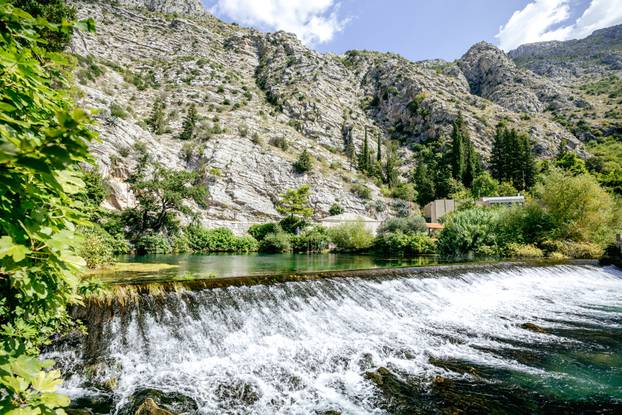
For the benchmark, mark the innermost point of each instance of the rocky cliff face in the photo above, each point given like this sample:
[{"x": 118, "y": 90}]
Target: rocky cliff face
[{"x": 262, "y": 98}]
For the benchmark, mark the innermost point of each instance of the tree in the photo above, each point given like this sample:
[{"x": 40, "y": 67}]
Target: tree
[
  {"x": 156, "y": 118},
  {"x": 424, "y": 184},
  {"x": 43, "y": 138},
  {"x": 458, "y": 149},
  {"x": 160, "y": 192},
  {"x": 391, "y": 165},
  {"x": 484, "y": 185},
  {"x": 580, "y": 209},
  {"x": 364, "y": 161},
  {"x": 512, "y": 158},
  {"x": 571, "y": 163},
  {"x": 295, "y": 202},
  {"x": 348, "y": 141},
  {"x": 304, "y": 162},
  {"x": 56, "y": 12},
  {"x": 187, "y": 128}
]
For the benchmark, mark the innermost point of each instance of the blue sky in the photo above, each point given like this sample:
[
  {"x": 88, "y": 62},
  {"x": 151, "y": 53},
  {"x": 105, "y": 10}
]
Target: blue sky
[{"x": 421, "y": 29}]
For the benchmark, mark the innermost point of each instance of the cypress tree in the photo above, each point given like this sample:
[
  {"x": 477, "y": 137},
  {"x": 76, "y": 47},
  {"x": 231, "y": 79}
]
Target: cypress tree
[
  {"x": 391, "y": 165},
  {"x": 457, "y": 150},
  {"x": 423, "y": 184},
  {"x": 156, "y": 118},
  {"x": 497, "y": 157},
  {"x": 189, "y": 123},
  {"x": 379, "y": 151},
  {"x": 363, "y": 161}
]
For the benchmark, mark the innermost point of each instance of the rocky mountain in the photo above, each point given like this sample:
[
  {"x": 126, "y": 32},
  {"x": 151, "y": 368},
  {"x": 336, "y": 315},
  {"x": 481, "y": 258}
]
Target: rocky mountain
[
  {"x": 599, "y": 54},
  {"x": 262, "y": 98}
]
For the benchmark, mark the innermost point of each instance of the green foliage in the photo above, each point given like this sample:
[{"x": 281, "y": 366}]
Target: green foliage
[
  {"x": 56, "y": 12},
  {"x": 218, "y": 240},
  {"x": 606, "y": 165},
  {"x": 580, "y": 210},
  {"x": 96, "y": 246},
  {"x": 408, "y": 225},
  {"x": 304, "y": 162},
  {"x": 156, "y": 120},
  {"x": 259, "y": 231},
  {"x": 469, "y": 232},
  {"x": 312, "y": 239},
  {"x": 295, "y": 202},
  {"x": 189, "y": 123},
  {"x": 160, "y": 193},
  {"x": 43, "y": 138},
  {"x": 361, "y": 191},
  {"x": 404, "y": 191},
  {"x": 351, "y": 236},
  {"x": 484, "y": 185},
  {"x": 29, "y": 387},
  {"x": 580, "y": 250},
  {"x": 391, "y": 165},
  {"x": 117, "y": 111},
  {"x": 512, "y": 158},
  {"x": 335, "y": 209},
  {"x": 276, "y": 243},
  {"x": 279, "y": 142},
  {"x": 571, "y": 163},
  {"x": 293, "y": 224},
  {"x": 399, "y": 243},
  {"x": 152, "y": 243},
  {"x": 464, "y": 158},
  {"x": 523, "y": 251}
]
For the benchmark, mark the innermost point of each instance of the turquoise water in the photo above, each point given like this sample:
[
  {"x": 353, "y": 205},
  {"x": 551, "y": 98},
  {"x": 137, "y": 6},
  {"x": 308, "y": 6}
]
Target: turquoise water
[{"x": 227, "y": 265}]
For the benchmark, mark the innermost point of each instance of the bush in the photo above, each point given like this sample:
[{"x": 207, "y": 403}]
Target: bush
[
  {"x": 580, "y": 250},
  {"x": 304, "y": 162},
  {"x": 335, "y": 209},
  {"x": 117, "y": 111},
  {"x": 523, "y": 251},
  {"x": 468, "y": 232},
  {"x": 315, "y": 239},
  {"x": 259, "y": 231},
  {"x": 96, "y": 246},
  {"x": 399, "y": 243},
  {"x": 293, "y": 224},
  {"x": 152, "y": 243},
  {"x": 361, "y": 191},
  {"x": 279, "y": 142},
  {"x": 351, "y": 236},
  {"x": 404, "y": 191},
  {"x": 218, "y": 240},
  {"x": 276, "y": 243},
  {"x": 407, "y": 225}
]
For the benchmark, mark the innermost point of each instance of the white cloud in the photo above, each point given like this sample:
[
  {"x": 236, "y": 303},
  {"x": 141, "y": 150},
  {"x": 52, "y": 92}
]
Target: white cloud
[
  {"x": 313, "y": 21},
  {"x": 543, "y": 20}
]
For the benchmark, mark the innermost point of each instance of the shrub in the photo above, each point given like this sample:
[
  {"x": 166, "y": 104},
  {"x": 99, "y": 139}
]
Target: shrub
[
  {"x": 314, "y": 239},
  {"x": 523, "y": 251},
  {"x": 180, "y": 244},
  {"x": 218, "y": 240},
  {"x": 404, "y": 191},
  {"x": 470, "y": 231},
  {"x": 280, "y": 142},
  {"x": 152, "y": 243},
  {"x": 580, "y": 250},
  {"x": 351, "y": 236},
  {"x": 361, "y": 191},
  {"x": 399, "y": 243},
  {"x": 259, "y": 231},
  {"x": 407, "y": 225},
  {"x": 304, "y": 162},
  {"x": 117, "y": 111},
  {"x": 335, "y": 209},
  {"x": 276, "y": 243},
  {"x": 293, "y": 224},
  {"x": 95, "y": 246}
]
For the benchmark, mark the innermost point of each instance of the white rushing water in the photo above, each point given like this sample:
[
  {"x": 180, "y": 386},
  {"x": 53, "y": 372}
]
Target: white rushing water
[{"x": 304, "y": 347}]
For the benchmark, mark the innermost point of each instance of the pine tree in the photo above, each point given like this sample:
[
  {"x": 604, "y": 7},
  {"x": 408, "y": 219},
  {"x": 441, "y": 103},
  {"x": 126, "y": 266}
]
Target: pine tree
[
  {"x": 471, "y": 163},
  {"x": 424, "y": 184},
  {"x": 189, "y": 123},
  {"x": 498, "y": 155},
  {"x": 304, "y": 162},
  {"x": 348, "y": 142},
  {"x": 379, "y": 151}
]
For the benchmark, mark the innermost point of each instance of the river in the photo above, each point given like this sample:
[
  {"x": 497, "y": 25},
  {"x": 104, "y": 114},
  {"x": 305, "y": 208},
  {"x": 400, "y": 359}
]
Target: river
[{"x": 512, "y": 339}]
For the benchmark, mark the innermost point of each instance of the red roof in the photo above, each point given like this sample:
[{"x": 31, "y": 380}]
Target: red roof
[{"x": 434, "y": 226}]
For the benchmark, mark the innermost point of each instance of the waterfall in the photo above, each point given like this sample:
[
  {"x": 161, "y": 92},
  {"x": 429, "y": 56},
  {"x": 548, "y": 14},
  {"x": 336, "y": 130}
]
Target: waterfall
[{"x": 308, "y": 347}]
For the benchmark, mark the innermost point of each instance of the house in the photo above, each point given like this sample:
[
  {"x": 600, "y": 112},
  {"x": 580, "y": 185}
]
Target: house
[
  {"x": 434, "y": 228},
  {"x": 370, "y": 223},
  {"x": 501, "y": 201},
  {"x": 435, "y": 210}
]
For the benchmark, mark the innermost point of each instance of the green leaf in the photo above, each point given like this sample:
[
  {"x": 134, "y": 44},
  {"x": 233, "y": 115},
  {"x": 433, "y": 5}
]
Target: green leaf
[
  {"x": 9, "y": 248},
  {"x": 86, "y": 25},
  {"x": 47, "y": 381},
  {"x": 55, "y": 400}
]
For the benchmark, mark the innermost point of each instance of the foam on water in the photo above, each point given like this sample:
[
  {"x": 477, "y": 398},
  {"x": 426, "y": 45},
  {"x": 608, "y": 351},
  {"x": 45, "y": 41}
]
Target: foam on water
[{"x": 304, "y": 347}]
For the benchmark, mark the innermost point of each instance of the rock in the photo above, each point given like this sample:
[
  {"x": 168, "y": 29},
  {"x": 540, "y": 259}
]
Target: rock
[
  {"x": 100, "y": 403},
  {"x": 533, "y": 327},
  {"x": 155, "y": 402},
  {"x": 149, "y": 407}
]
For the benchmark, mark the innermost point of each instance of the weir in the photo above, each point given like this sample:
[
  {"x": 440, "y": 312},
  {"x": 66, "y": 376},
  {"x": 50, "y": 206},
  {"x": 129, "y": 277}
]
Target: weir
[{"x": 547, "y": 338}]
